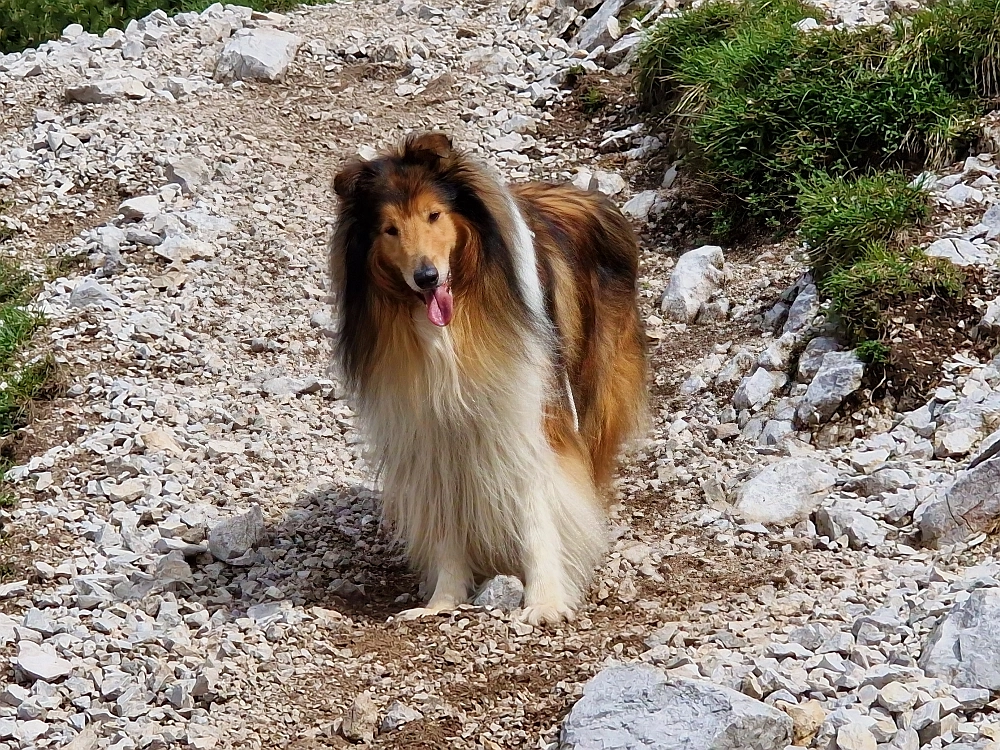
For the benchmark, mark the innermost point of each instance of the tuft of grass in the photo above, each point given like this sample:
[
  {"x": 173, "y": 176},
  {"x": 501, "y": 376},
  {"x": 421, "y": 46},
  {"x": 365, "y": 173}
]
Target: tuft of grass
[
  {"x": 593, "y": 100},
  {"x": 872, "y": 352},
  {"x": 6, "y": 233},
  {"x": 861, "y": 292},
  {"x": 816, "y": 130},
  {"x": 22, "y": 383},
  {"x": 841, "y": 218},
  {"x": 958, "y": 40},
  {"x": 64, "y": 265},
  {"x": 36, "y": 381}
]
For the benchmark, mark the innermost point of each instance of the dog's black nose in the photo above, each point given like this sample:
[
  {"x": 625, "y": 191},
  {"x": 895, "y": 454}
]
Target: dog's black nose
[{"x": 426, "y": 277}]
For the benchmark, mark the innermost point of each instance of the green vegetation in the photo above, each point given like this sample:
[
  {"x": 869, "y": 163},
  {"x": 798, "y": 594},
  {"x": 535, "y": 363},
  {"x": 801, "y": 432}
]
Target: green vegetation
[
  {"x": 816, "y": 129},
  {"x": 28, "y": 23},
  {"x": 21, "y": 382},
  {"x": 873, "y": 352},
  {"x": 593, "y": 100},
  {"x": 840, "y": 218}
]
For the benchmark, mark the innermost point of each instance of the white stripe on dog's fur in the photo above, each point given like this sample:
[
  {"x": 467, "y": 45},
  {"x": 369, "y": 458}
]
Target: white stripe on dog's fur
[
  {"x": 572, "y": 401},
  {"x": 525, "y": 262}
]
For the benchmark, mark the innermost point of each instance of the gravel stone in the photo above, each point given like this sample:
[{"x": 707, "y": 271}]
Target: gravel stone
[
  {"x": 964, "y": 648},
  {"x": 40, "y": 664},
  {"x": 502, "y": 592},
  {"x": 236, "y": 536}
]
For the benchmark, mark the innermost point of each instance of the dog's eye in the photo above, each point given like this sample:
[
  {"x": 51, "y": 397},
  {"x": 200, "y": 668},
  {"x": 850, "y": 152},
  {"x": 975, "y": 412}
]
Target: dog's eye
[
  {"x": 434, "y": 216},
  {"x": 392, "y": 231}
]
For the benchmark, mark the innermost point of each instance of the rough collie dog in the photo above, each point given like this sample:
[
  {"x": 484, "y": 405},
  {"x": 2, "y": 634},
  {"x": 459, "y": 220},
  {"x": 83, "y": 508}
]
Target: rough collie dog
[{"x": 491, "y": 341}]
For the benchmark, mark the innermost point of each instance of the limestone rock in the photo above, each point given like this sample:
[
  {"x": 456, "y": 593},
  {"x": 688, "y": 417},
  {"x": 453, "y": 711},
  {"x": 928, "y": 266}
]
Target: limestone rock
[
  {"x": 757, "y": 389},
  {"x": 262, "y": 54},
  {"x": 960, "y": 252},
  {"x": 962, "y": 424},
  {"x": 140, "y": 207},
  {"x": 602, "y": 28},
  {"x": 41, "y": 664},
  {"x": 189, "y": 172},
  {"x": 964, "y": 648},
  {"x": 107, "y": 90},
  {"x": 639, "y": 205},
  {"x": 803, "y": 309},
  {"x": 361, "y": 720},
  {"x": 812, "y": 356},
  {"x": 397, "y": 715},
  {"x": 839, "y": 375},
  {"x": 236, "y": 536},
  {"x": 695, "y": 278},
  {"x": 786, "y": 492},
  {"x": 89, "y": 292},
  {"x": 638, "y": 706},
  {"x": 969, "y": 506},
  {"x": 502, "y": 592}
]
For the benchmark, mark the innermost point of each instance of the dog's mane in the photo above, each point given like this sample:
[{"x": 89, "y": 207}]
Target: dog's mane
[{"x": 490, "y": 253}]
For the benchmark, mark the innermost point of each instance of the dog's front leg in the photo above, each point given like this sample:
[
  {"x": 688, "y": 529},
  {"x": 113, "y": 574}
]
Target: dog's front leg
[
  {"x": 451, "y": 577},
  {"x": 545, "y": 596}
]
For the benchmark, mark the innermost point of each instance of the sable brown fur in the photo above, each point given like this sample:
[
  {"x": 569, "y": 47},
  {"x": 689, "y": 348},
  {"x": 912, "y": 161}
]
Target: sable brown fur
[{"x": 489, "y": 464}]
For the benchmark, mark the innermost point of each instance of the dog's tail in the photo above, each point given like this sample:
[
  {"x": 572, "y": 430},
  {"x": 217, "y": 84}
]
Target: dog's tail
[
  {"x": 618, "y": 410},
  {"x": 616, "y": 362}
]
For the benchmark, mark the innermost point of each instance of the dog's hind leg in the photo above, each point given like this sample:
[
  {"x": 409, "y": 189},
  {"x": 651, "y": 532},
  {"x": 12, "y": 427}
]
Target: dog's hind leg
[{"x": 450, "y": 576}]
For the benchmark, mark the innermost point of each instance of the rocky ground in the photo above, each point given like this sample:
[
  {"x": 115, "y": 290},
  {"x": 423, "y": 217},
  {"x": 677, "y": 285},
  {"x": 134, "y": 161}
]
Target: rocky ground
[{"x": 196, "y": 559}]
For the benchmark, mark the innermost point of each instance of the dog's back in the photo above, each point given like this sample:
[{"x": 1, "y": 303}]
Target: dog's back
[{"x": 588, "y": 260}]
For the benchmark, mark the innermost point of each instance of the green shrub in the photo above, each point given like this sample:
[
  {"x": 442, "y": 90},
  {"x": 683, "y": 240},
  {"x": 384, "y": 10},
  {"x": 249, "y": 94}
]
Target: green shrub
[
  {"x": 840, "y": 218},
  {"x": 959, "y": 40},
  {"x": 20, "y": 383},
  {"x": 881, "y": 277},
  {"x": 28, "y": 23},
  {"x": 815, "y": 130},
  {"x": 764, "y": 105}
]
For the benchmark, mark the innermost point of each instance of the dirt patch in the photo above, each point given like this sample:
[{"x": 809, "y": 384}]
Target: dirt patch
[{"x": 924, "y": 333}]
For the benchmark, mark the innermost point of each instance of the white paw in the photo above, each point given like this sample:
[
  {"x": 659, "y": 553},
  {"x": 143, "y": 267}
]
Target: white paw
[
  {"x": 547, "y": 614},
  {"x": 417, "y": 613}
]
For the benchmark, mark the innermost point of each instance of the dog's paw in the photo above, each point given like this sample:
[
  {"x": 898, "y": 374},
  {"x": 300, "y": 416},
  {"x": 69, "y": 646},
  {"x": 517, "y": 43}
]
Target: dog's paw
[
  {"x": 547, "y": 614},
  {"x": 417, "y": 613}
]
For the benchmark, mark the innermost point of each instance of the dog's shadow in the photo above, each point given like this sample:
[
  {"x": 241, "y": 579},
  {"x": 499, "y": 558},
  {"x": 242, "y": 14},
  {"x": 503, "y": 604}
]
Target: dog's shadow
[{"x": 329, "y": 550}]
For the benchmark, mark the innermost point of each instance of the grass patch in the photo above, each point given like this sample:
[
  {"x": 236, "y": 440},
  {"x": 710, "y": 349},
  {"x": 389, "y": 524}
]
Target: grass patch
[
  {"x": 841, "y": 219},
  {"x": 872, "y": 352},
  {"x": 64, "y": 265},
  {"x": 593, "y": 100},
  {"x": 764, "y": 105},
  {"x": 634, "y": 12},
  {"x": 28, "y": 23},
  {"x": 22, "y": 383},
  {"x": 882, "y": 276},
  {"x": 815, "y": 130}
]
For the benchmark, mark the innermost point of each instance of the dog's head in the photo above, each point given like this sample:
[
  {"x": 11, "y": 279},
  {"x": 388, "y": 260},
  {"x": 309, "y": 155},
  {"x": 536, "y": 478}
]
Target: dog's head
[{"x": 404, "y": 226}]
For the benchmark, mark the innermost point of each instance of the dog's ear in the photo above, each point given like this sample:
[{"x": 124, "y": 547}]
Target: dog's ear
[
  {"x": 345, "y": 184},
  {"x": 433, "y": 145}
]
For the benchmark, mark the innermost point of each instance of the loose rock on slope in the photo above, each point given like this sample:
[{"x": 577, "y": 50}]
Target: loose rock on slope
[{"x": 638, "y": 706}]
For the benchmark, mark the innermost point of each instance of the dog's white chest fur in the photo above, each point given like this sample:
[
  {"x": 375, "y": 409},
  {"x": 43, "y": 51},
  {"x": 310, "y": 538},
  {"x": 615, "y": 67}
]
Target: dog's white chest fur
[{"x": 466, "y": 466}]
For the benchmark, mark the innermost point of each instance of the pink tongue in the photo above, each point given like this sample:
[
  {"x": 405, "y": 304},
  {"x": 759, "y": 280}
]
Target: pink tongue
[{"x": 439, "y": 306}]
